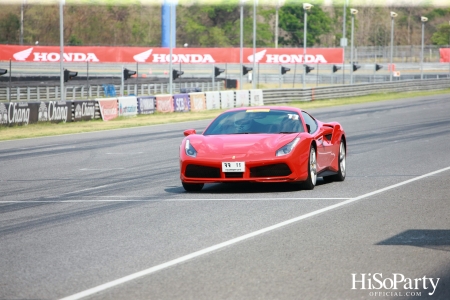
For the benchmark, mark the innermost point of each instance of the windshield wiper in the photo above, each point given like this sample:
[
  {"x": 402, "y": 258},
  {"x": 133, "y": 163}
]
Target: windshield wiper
[{"x": 287, "y": 132}]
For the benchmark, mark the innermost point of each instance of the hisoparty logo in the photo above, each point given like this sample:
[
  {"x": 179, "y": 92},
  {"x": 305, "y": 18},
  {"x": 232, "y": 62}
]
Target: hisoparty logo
[{"x": 396, "y": 281}]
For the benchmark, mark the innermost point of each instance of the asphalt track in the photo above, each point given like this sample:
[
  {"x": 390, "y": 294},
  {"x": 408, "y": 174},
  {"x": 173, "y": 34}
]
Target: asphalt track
[{"x": 103, "y": 216}]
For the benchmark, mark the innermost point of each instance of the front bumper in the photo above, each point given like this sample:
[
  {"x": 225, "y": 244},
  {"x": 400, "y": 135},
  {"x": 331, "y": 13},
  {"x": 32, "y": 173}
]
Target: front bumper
[{"x": 278, "y": 169}]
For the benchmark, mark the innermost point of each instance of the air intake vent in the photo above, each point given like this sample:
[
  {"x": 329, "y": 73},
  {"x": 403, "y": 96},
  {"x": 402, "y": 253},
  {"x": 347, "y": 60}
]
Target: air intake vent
[
  {"x": 234, "y": 174},
  {"x": 196, "y": 171},
  {"x": 270, "y": 171}
]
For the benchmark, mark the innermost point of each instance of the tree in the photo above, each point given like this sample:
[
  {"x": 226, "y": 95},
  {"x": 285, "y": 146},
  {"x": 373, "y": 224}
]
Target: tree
[
  {"x": 219, "y": 25},
  {"x": 292, "y": 22},
  {"x": 442, "y": 36},
  {"x": 9, "y": 28}
]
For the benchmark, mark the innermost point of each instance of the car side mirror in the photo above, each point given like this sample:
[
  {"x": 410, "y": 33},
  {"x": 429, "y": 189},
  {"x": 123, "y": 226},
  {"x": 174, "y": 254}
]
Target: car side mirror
[
  {"x": 308, "y": 128},
  {"x": 189, "y": 132}
]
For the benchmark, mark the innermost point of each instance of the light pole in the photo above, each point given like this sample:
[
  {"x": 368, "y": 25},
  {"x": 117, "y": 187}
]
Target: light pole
[
  {"x": 254, "y": 46},
  {"x": 241, "y": 51},
  {"x": 424, "y": 20},
  {"x": 344, "y": 42},
  {"x": 353, "y": 12},
  {"x": 393, "y": 15},
  {"x": 276, "y": 23},
  {"x": 306, "y": 7},
  {"x": 171, "y": 16},
  {"x": 61, "y": 50}
]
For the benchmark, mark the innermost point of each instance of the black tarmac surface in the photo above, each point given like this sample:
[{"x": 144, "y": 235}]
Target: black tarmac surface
[{"x": 79, "y": 211}]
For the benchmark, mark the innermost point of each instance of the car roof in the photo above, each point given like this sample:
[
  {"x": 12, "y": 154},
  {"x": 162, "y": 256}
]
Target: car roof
[{"x": 266, "y": 107}]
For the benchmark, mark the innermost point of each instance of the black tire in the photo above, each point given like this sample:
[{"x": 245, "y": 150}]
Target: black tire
[
  {"x": 193, "y": 187},
  {"x": 340, "y": 176},
  {"x": 310, "y": 182}
]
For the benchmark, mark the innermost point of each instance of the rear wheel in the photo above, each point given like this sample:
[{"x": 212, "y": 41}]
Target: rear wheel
[
  {"x": 312, "y": 171},
  {"x": 193, "y": 187},
  {"x": 340, "y": 176}
]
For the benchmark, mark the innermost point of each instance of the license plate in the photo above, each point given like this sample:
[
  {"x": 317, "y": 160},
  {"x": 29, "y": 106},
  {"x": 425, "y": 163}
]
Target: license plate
[{"x": 235, "y": 166}]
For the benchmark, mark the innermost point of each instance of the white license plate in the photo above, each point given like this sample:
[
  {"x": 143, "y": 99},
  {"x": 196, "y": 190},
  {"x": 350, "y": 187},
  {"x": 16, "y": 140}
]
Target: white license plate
[{"x": 235, "y": 166}]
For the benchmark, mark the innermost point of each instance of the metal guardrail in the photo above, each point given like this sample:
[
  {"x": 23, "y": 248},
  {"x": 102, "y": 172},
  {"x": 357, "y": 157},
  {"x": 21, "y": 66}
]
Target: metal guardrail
[
  {"x": 84, "y": 92},
  {"x": 276, "y": 96},
  {"x": 271, "y": 96}
]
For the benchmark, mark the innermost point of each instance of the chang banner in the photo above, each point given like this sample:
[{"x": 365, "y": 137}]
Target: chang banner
[
  {"x": 18, "y": 113},
  {"x": 162, "y": 55},
  {"x": 55, "y": 111},
  {"x": 146, "y": 105},
  {"x": 83, "y": 110}
]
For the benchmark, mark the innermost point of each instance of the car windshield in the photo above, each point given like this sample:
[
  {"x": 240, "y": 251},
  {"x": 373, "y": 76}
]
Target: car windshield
[{"x": 256, "y": 121}]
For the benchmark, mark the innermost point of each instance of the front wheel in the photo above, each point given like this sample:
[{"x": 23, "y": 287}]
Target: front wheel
[
  {"x": 312, "y": 171},
  {"x": 193, "y": 187}
]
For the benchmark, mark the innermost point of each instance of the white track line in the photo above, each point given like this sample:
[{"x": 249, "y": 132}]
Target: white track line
[
  {"x": 159, "y": 200},
  {"x": 83, "y": 190},
  {"x": 190, "y": 256}
]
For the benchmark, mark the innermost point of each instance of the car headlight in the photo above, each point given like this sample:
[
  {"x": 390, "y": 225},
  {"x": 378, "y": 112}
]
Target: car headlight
[
  {"x": 286, "y": 149},
  {"x": 189, "y": 149}
]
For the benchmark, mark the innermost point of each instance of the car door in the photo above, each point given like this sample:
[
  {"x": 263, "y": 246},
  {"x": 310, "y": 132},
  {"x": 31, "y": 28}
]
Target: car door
[{"x": 320, "y": 136}]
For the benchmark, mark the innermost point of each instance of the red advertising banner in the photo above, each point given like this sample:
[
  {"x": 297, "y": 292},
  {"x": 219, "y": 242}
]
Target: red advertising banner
[
  {"x": 164, "y": 103},
  {"x": 161, "y": 55},
  {"x": 445, "y": 55},
  {"x": 108, "y": 108}
]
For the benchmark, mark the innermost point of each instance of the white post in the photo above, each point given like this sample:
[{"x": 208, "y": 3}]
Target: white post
[
  {"x": 393, "y": 15},
  {"x": 423, "y": 19},
  {"x": 241, "y": 50}
]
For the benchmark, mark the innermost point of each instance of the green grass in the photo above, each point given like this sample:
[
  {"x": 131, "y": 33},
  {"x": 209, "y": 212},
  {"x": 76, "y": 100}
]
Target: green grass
[{"x": 50, "y": 129}]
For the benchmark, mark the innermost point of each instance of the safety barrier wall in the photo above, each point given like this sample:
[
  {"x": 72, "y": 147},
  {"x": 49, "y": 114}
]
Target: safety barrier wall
[
  {"x": 24, "y": 113},
  {"x": 274, "y": 96},
  {"x": 81, "y": 92},
  {"x": 21, "y": 113}
]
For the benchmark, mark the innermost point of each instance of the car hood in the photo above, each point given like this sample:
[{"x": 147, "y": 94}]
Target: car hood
[{"x": 239, "y": 145}]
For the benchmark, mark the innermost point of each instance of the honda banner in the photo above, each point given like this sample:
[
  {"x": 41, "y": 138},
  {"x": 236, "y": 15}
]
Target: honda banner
[
  {"x": 161, "y": 55},
  {"x": 164, "y": 103},
  {"x": 108, "y": 108},
  {"x": 445, "y": 55}
]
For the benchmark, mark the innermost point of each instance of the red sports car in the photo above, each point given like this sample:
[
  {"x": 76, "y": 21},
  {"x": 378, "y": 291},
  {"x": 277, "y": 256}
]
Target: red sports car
[{"x": 263, "y": 144}]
